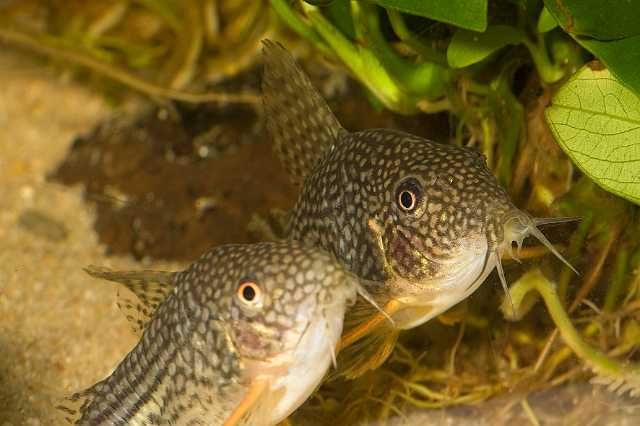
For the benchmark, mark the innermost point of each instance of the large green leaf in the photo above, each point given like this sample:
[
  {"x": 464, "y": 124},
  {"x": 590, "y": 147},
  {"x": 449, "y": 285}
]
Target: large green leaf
[
  {"x": 470, "y": 14},
  {"x": 469, "y": 47},
  {"x": 600, "y": 19},
  {"x": 596, "y": 120},
  {"x": 546, "y": 21},
  {"x": 608, "y": 29},
  {"x": 622, "y": 58}
]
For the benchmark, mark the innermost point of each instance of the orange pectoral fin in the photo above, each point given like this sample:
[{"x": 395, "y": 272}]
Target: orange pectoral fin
[
  {"x": 367, "y": 326},
  {"x": 256, "y": 390}
]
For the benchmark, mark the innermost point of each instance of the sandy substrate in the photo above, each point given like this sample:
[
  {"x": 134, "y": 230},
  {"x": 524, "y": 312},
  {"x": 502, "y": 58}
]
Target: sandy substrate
[{"x": 61, "y": 330}]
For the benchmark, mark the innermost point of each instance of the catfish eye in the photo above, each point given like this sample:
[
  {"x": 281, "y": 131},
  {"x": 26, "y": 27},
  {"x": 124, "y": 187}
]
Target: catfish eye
[
  {"x": 249, "y": 292},
  {"x": 409, "y": 195},
  {"x": 407, "y": 200}
]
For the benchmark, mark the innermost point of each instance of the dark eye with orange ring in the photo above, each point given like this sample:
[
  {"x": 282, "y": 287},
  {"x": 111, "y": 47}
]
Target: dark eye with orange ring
[
  {"x": 409, "y": 195},
  {"x": 249, "y": 292}
]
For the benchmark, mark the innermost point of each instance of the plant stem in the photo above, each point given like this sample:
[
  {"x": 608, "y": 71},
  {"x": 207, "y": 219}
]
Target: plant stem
[
  {"x": 292, "y": 19},
  {"x": 549, "y": 72},
  {"x": 634, "y": 285},
  {"x": 117, "y": 74},
  {"x": 600, "y": 363},
  {"x": 575, "y": 244},
  {"x": 488, "y": 132},
  {"x": 591, "y": 278},
  {"x": 418, "y": 45},
  {"x": 424, "y": 79},
  {"x": 186, "y": 56},
  {"x": 108, "y": 19},
  {"x": 617, "y": 282},
  {"x": 363, "y": 63}
]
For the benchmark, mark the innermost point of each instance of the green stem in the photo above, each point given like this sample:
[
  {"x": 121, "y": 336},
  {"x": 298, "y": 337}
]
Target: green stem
[
  {"x": 477, "y": 88},
  {"x": 418, "y": 45},
  {"x": 291, "y": 18},
  {"x": 109, "y": 18},
  {"x": 185, "y": 58},
  {"x": 575, "y": 244},
  {"x": 40, "y": 45},
  {"x": 488, "y": 132},
  {"x": 549, "y": 72},
  {"x": 617, "y": 282},
  {"x": 634, "y": 266},
  {"x": 610, "y": 369},
  {"x": 424, "y": 79},
  {"x": 166, "y": 11},
  {"x": 362, "y": 63}
]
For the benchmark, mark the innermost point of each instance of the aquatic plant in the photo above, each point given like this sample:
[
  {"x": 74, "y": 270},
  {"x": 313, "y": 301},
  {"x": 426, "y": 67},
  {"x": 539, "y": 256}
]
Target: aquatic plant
[
  {"x": 539, "y": 87},
  {"x": 517, "y": 83}
]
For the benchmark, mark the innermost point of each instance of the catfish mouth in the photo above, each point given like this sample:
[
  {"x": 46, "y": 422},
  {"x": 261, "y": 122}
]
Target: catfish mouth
[
  {"x": 457, "y": 278},
  {"x": 438, "y": 279}
]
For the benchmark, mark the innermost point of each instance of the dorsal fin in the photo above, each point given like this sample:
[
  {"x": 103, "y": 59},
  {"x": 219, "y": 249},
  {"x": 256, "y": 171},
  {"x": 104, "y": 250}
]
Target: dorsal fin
[
  {"x": 150, "y": 287},
  {"x": 298, "y": 119}
]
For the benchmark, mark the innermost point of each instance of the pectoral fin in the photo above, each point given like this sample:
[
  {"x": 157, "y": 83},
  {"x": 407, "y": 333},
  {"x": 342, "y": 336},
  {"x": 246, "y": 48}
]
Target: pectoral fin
[
  {"x": 249, "y": 403},
  {"x": 357, "y": 328},
  {"x": 368, "y": 340},
  {"x": 368, "y": 353}
]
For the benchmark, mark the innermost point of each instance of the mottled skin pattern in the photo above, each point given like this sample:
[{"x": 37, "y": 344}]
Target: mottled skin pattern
[
  {"x": 205, "y": 343},
  {"x": 421, "y": 223},
  {"x": 362, "y": 177},
  {"x": 393, "y": 207}
]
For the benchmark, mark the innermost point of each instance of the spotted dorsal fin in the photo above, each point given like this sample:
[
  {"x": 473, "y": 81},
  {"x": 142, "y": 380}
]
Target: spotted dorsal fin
[
  {"x": 298, "y": 119},
  {"x": 150, "y": 288}
]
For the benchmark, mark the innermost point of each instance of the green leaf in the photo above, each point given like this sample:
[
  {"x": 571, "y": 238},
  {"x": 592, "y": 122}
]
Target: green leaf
[
  {"x": 363, "y": 64},
  {"x": 423, "y": 79},
  {"x": 546, "y": 21},
  {"x": 622, "y": 58},
  {"x": 470, "y": 14},
  {"x": 468, "y": 47},
  {"x": 596, "y": 120},
  {"x": 339, "y": 12},
  {"x": 602, "y": 20},
  {"x": 608, "y": 29}
]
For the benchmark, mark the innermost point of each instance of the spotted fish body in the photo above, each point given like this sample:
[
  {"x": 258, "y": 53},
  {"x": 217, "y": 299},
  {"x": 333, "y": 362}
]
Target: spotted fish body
[
  {"x": 424, "y": 223},
  {"x": 353, "y": 182},
  {"x": 206, "y": 344},
  {"x": 460, "y": 204}
]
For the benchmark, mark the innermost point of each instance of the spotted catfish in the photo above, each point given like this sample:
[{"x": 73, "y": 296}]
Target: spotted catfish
[
  {"x": 242, "y": 336},
  {"x": 423, "y": 222}
]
